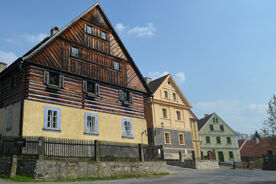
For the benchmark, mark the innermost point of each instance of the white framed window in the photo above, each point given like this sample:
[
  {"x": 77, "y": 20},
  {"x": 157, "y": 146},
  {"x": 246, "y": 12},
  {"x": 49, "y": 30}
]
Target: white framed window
[
  {"x": 181, "y": 139},
  {"x": 91, "y": 124},
  {"x": 167, "y": 138},
  {"x": 9, "y": 118},
  {"x": 75, "y": 52},
  {"x": 116, "y": 65},
  {"x": 89, "y": 30},
  {"x": 104, "y": 35},
  {"x": 127, "y": 128},
  {"x": 52, "y": 119}
]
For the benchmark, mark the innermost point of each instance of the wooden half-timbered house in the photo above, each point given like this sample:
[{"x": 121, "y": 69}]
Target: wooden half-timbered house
[{"x": 78, "y": 83}]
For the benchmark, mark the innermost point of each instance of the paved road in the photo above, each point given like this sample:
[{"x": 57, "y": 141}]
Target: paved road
[{"x": 191, "y": 176}]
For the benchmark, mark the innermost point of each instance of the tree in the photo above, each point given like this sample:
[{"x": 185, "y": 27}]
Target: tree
[{"x": 269, "y": 125}]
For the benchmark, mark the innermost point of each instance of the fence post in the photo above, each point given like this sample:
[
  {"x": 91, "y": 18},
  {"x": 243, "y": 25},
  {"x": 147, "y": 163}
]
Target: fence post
[
  {"x": 13, "y": 166},
  {"x": 97, "y": 145},
  {"x": 41, "y": 148},
  {"x": 141, "y": 152},
  {"x": 1, "y": 146}
]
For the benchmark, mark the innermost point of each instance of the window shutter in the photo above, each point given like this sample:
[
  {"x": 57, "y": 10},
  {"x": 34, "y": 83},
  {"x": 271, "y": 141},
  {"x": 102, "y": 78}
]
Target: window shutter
[
  {"x": 46, "y": 77},
  {"x": 61, "y": 81},
  {"x": 123, "y": 127},
  {"x": 97, "y": 86},
  {"x": 130, "y": 97},
  {"x": 84, "y": 86},
  {"x": 120, "y": 94}
]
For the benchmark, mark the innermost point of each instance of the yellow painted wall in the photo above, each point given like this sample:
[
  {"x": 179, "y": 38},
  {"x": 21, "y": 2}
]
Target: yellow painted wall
[
  {"x": 73, "y": 124},
  {"x": 172, "y": 106},
  {"x": 15, "y": 120}
]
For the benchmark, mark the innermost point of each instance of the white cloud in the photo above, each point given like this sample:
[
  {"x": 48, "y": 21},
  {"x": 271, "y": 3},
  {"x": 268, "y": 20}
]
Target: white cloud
[
  {"x": 180, "y": 77},
  {"x": 12, "y": 41},
  {"x": 7, "y": 57},
  {"x": 120, "y": 27},
  {"x": 34, "y": 38},
  {"x": 244, "y": 118},
  {"x": 155, "y": 75},
  {"x": 144, "y": 31}
]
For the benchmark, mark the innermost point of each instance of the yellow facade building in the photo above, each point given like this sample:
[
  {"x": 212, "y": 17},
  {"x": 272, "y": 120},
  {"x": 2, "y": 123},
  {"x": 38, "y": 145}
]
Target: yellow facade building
[{"x": 170, "y": 121}]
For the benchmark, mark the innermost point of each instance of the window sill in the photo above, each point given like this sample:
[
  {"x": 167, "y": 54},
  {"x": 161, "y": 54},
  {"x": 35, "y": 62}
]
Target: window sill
[
  {"x": 126, "y": 137},
  {"x": 51, "y": 130},
  {"x": 91, "y": 95},
  {"x": 182, "y": 144},
  {"x": 126, "y": 102},
  {"x": 180, "y": 120},
  {"x": 90, "y": 133},
  {"x": 52, "y": 86},
  {"x": 168, "y": 143}
]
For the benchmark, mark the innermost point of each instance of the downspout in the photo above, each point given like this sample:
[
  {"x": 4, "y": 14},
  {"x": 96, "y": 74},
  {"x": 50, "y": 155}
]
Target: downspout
[{"x": 22, "y": 100}]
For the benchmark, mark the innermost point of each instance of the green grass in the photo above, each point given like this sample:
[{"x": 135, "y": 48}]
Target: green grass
[
  {"x": 18, "y": 178},
  {"x": 126, "y": 176}
]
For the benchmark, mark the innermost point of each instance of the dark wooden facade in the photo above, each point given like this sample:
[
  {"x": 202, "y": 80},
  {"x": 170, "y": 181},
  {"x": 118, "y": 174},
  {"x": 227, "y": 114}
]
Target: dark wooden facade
[{"x": 94, "y": 63}]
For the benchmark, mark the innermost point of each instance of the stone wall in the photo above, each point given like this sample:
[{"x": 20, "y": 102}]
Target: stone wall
[
  {"x": 59, "y": 169},
  {"x": 5, "y": 166},
  {"x": 198, "y": 164},
  {"x": 185, "y": 163},
  {"x": 206, "y": 164}
]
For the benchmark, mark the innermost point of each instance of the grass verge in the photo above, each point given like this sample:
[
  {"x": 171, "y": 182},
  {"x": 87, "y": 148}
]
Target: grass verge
[{"x": 126, "y": 176}]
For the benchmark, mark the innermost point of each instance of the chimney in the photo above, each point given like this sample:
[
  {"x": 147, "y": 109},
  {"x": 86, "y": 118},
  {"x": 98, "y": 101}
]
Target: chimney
[
  {"x": 148, "y": 79},
  {"x": 3, "y": 66},
  {"x": 54, "y": 30},
  {"x": 257, "y": 140},
  {"x": 205, "y": 115}
]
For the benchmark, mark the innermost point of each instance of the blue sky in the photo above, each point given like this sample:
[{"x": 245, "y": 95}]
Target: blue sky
[{"x": 222, "y": 53}]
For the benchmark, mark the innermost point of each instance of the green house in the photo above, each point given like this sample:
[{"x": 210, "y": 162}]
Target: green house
[{"x": 218, "y": 137}]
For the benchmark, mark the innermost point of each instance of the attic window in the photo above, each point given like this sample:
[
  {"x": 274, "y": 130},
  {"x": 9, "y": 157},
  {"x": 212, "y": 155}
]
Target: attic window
[
  {"x": 104, "y": 35},
  {"x": 75, "y": 52},
  {"x": 116, "y": 65},
  {"x": 89, "y": 30},
  {"x": 174, "y": 96}
]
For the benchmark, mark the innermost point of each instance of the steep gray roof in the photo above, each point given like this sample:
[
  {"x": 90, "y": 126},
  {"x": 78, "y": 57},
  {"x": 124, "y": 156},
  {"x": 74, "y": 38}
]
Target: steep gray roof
[
  {"x": 202, "y": 121},
  {"x": 154, "y": 85}
]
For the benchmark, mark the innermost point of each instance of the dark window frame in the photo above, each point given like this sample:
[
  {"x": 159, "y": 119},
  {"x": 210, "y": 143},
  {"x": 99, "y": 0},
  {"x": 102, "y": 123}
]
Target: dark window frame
[
  {"x": 208, "y": 140},
  {"x": 221, "y": 127},
  {"x": 164, "y": 113},
  {"x": 228, "y": 139},
  {"x": 178, "y": 115},
  {"x": 48, "y": 79},
  {"x": 211, "y": 127},
  {"x": 218, "y": 140},
  {"x": 125, "y": 97},
  {"x": 88, "y": 85}
]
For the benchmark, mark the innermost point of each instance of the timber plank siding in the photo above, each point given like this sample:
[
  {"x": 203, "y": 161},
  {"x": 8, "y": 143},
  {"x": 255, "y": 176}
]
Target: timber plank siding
[
  {"x": 72, "y": 95},
  {"x": 80, "y": 71}
]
